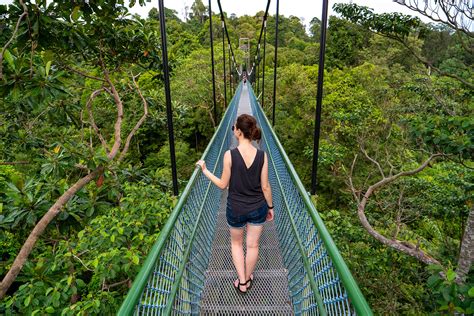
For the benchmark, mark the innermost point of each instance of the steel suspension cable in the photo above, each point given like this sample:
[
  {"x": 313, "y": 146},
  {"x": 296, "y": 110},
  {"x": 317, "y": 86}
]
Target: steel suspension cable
[
  {"x": 257, "y": 53},
  {"x": 225, "y": 33}
]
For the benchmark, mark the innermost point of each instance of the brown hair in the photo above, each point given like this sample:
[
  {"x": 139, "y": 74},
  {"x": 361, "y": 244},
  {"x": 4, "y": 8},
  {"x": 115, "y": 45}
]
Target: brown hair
[{"x": 247, "y": 124}]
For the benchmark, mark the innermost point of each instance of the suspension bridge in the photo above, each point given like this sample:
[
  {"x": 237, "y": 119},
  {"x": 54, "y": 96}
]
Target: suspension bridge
[{"x": 189, "y": 269}]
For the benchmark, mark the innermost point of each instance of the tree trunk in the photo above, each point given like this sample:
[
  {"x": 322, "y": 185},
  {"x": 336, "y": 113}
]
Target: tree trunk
[{"x": 466, "y": 255}]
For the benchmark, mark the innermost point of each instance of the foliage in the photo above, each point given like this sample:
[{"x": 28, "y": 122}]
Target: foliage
[
  {"x": 377, "y": 96},
  {"x": 450, "y": 296},
  {"x": 76, "y": 272}
]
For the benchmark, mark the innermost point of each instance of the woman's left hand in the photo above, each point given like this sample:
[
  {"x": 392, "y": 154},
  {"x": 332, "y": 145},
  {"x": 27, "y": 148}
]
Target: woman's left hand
[{"x": 202, "y": 164}]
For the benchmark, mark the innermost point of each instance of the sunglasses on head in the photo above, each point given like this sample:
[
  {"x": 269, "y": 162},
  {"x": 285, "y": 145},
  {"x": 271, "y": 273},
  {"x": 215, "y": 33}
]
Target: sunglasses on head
[{"x": 233, "y": 127}]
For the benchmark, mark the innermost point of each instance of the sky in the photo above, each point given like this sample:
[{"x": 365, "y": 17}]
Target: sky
[{"x": 304, "y": 9}]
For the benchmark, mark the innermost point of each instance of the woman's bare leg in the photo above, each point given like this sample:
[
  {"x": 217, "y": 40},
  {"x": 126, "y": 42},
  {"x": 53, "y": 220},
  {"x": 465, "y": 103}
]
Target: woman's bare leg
[
  {"x": 253, "y": 236},
  {"x": 236, "y": 240}
]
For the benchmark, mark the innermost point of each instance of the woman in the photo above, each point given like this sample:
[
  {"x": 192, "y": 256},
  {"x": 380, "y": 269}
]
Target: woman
[{"x": 249, "y": 203}]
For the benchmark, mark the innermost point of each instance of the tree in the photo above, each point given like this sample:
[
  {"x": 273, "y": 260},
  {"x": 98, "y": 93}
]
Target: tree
[
  {"x": 405, "y": 30},
  {"x": 99, "y": 49},
  {"x": 315, "y": 29},
  {"x": 198, "y": 11},
  {"x": 455, "y": 14}
]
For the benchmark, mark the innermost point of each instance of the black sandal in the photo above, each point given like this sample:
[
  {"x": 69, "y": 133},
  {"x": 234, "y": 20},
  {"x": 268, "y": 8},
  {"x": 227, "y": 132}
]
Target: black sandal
[
  {"x": 251, "y": 282},
  {"x": 238, "y": 287}
]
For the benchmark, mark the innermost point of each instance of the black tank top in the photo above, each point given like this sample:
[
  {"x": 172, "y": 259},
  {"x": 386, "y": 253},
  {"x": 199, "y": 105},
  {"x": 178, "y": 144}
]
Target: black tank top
[{"x": 245, "y": 189}]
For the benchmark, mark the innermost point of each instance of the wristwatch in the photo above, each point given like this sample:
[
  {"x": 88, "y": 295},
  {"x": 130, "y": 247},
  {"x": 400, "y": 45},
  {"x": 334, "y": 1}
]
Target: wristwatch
[{"x": 271, "y": 207}]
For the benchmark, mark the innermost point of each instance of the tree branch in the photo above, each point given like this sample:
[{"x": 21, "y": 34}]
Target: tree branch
[
  {"x": 91, "y": 116},
  {"x": 402, "y": 246},
  {"x": 373, "y": 161},
  {"x": 118, "y": 123},
  {"x": 25, "y": 13},
  {"x": 139, "y": 123},
  {"x": 10, "y": 163},
  {"x": 354, "y": 193},
  {"x": 83, "y": 73},
  {"x": 109, "y": 286}
]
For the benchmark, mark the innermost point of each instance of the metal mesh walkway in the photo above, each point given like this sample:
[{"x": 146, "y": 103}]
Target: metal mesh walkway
[
  {"x": 269, "y": 293},
  {"x": 189, "y": 269}
]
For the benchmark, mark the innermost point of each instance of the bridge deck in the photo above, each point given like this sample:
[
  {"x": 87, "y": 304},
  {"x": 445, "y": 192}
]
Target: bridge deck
[{"x": 269, "y": 293}]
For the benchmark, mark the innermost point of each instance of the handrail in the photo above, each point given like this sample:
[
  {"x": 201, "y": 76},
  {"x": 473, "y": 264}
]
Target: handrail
[
  {"x": 140, "y": 281},
  {"x": 357, "y": 299}
]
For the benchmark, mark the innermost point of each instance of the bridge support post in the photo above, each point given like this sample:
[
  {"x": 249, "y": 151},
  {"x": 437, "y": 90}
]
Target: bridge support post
[
  {"x": 319, "y": 96},
  {"x": 169, "y": 111}
]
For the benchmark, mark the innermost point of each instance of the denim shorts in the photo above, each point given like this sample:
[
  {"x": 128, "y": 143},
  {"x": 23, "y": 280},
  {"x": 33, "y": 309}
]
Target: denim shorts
[{"x": 255, "y": 217}]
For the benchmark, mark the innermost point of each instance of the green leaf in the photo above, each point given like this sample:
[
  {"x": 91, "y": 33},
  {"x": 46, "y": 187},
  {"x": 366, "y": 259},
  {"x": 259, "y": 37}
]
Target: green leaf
[
  {"x": 459, "y": 309},
  {"x": 433, "y": 280},
  {"x": 95, "y": 263},
  {"x": 9, "y": 58},
  {"x": 135, "y": 259},
  {"x": 48, "y": 291},
  {"x": 48, "y": 67},
  {"x": 27, "y": 301},
  {"x": 49, "y": 309},
  {"x": 450, "y": 275},
  {"x": 69, "y": 280},
  {"x": 471, "y": 292},
  {"x": 446, "y": 294},
  {"x": 76, "y": 13},
  {"x": 56, "y": 298}
]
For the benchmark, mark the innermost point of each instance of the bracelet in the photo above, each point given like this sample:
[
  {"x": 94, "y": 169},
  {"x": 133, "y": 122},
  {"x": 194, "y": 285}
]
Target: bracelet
[{"x": 271, "y": 207}]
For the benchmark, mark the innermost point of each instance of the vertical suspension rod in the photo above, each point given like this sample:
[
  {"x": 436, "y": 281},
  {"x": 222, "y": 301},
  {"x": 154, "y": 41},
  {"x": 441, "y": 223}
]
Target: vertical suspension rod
[
  {"x": 258, "y": 73},
  {"x": 223, "y": 60},
  {"x": 212, "y": 65},
  {"x": 319, "y": 96},
  {"x": 230, "y": 74},
  {"x": 169, "y": 111},
  {"x": 275, "y": 63},
  {"x": 263, "y": 66}
]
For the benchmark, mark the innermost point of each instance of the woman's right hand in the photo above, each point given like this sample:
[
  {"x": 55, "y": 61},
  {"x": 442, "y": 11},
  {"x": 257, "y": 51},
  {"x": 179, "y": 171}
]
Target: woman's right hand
[
  {"x": 270, "y": 215},
  {"x": 202, "y": 164}
]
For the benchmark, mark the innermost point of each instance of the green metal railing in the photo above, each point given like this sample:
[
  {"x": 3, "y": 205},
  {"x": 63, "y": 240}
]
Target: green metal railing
[
  {"x": 171, "y": 280},
  {"x": 172, "y": 277}
]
